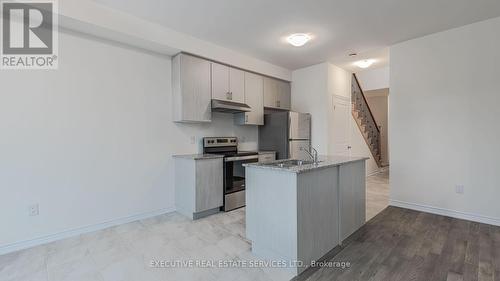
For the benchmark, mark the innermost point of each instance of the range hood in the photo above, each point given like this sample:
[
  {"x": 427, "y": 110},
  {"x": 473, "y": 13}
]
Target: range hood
[{"x": 229, "y": 106}]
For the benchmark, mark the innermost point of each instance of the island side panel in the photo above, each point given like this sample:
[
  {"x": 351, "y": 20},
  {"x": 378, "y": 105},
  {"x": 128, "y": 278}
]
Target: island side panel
[
  {"x": 352, "y": 199},
  {"x": 317, "y": 213},
  {"x": 271, "y": 213},
  {"x": 359, "y": 172}
]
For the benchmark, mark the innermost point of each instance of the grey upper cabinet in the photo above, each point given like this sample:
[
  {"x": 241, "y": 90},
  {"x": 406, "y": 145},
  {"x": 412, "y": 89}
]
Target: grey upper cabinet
[
  {"x": 237, "y": 84},
  {"x": 254, "y": 97},
  {"x": 277, "y": 94},
  {"x": 270, "y": 92},
  {"x": 220, "y": 81},
  {"x": 284, "y": 95},
  {"x": 191, "y": 89},
  {"x": 228, "y": 83}
]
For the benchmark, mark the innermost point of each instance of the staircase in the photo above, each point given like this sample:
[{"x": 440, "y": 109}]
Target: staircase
[{"x": 365, "y": 120}]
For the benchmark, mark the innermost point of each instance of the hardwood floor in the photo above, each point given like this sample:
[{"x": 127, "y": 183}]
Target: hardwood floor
[{"x": 401, "y": 244}]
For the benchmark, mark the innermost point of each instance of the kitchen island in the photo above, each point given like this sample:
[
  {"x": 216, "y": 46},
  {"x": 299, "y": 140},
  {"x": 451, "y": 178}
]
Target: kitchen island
[{"x": 297, "y": 211}]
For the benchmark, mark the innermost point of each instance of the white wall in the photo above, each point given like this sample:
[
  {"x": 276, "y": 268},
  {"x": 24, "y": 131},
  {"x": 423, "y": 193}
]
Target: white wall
[
  {"x": 444, "y": 122},
  {"x": 374, "y": 79},
  {"x": 309, "y": 93},
  {"x": 92, "y": 141},
  {"x": 313, "y": 90}
]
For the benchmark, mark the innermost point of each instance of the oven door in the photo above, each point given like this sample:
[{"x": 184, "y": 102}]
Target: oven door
[{"x": 234, "y": 172}]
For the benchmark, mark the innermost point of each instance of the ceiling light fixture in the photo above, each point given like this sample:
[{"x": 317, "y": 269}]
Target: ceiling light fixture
[
  {"x": 364, "y": 63},
  {"x": 298, "y": 39}
]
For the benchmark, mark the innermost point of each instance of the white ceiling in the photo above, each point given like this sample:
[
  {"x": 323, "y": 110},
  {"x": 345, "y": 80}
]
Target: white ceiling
[{"x": 257, "y": 27}]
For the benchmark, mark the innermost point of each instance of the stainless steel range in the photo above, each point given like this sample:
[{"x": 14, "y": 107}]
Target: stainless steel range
[{"x": 234, "y": 172}]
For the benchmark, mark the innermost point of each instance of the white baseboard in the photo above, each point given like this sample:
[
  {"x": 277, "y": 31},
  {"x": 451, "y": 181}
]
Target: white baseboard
[
  {"x": 446, "y": 212},
  {"x": 4, "y": 249}
]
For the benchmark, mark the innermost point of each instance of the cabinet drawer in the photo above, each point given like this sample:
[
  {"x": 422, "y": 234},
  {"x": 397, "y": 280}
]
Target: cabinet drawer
[{"x": 266, "y": 158}]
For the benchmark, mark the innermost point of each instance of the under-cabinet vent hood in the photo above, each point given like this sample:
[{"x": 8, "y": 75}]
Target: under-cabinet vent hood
[{"x": 229, "y": 106}]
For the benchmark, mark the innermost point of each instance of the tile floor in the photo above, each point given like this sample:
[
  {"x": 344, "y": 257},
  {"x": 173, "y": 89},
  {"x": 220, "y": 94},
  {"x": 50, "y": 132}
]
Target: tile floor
[
  {"x": 377, "y": 193},
  {"x": 125, "y": 252}
]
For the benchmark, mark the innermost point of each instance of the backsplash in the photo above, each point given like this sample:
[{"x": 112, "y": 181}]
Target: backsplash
[{"x": 222, "y": 125}]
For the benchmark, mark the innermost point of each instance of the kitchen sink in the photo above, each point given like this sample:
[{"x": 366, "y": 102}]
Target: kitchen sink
[{"x": 290, "y": 163}]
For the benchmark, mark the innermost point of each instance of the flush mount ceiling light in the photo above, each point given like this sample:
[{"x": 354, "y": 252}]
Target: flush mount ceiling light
[
  {"x": 364, "y": 63},
  {"x": 298, "y": 39}
]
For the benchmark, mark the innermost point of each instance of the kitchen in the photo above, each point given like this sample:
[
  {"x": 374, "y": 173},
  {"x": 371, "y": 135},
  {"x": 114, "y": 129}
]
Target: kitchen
[
  {"x": 249, "y": 140},
  {"x": 223, "y": 178}
]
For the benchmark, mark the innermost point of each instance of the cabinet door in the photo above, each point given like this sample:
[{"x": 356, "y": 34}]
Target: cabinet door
[
  {"x": 270, "y": 92},
  {"x": 254, "y": 97},
  {"x": 209, "y": 184},
  {"x": 220, "y": 82},
  {"x": 284, "y": 95},
  {"x": 236, "y": 85},
  {"x": 191, "y": 89}
]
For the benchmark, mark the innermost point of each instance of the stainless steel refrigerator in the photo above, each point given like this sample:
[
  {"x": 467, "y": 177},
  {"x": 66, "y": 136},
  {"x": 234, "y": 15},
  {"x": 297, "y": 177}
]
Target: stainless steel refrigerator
[{"x": 286, "y": 133}]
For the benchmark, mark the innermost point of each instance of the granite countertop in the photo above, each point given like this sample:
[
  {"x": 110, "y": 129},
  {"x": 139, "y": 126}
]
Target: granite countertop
[
  {"x": 325, "y": 162},
  {"x": 199, "y": 156}
]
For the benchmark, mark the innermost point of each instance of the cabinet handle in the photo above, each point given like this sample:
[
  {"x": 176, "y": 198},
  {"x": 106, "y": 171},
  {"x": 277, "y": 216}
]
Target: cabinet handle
[{"x": 246, "y": 118}]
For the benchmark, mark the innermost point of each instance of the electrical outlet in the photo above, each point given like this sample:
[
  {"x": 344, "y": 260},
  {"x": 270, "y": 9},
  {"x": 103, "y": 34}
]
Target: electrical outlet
[
  {"x": 192, "y": 140},
  {"x": 33, "y": 210},
  {"x": 459, "y": 189}
]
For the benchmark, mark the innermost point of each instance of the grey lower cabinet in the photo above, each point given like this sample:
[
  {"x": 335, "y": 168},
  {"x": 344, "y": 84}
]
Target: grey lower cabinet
[
  {"x": 277, "y": 94},
  {"x": 352, "y": 195},
  {"x": 254, "y": 97},
  {"x": 199, "y": 187},
  {"x": 191, "y": 89}
]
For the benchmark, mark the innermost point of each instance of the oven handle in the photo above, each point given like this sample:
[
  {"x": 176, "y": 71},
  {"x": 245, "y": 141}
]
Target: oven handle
[{"x": 239, "y": 158}]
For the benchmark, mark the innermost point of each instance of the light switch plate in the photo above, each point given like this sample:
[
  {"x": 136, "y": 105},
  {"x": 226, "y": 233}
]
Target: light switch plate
[{"x": 33, "y": 210}]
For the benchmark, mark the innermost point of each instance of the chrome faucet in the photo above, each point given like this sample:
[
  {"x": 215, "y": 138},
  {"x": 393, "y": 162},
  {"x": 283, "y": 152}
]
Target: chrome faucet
[{"x": 313, "y": 153}]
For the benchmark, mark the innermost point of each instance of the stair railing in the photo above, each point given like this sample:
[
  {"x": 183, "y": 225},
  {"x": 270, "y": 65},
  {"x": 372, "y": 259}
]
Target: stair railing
[{"x": 365, "y": 119}]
